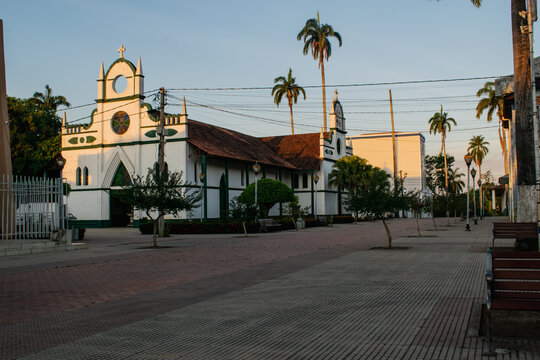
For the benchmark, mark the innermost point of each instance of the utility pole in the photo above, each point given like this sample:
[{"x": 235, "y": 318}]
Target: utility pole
[
  {"x": 161, "y": 151},
  {"x": 394, "y": 155},
  {"x": 393, "y": 142}
]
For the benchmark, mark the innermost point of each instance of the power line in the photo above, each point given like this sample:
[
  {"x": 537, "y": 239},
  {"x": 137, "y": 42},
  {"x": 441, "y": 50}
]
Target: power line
[{"x": 340, "y": 85}]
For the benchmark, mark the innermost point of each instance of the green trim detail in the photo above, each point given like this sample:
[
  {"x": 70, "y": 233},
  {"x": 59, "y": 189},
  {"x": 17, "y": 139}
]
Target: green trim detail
[
  {"x": 119, "y": 60},
  {"x": 132, "y": 97},
  {"x": 74, "y": 140},
  {"x": 90, "y": 139},
  {"x": 148, "y": 109},
  {"x": 91, "y": 223},
  {"x": 131, "y": 143},
  {"x": 168, "y": 132}
]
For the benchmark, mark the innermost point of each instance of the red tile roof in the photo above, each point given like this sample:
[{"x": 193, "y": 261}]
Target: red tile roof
[
  {"x": 220, "y": 142},
  {"x": 303, "y": 150},
  {"x": 292, "y": 151}
]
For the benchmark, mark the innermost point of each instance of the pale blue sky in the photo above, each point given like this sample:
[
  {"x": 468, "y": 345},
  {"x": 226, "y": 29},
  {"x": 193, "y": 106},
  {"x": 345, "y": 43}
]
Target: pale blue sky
[{"x": 208, "y": 44}]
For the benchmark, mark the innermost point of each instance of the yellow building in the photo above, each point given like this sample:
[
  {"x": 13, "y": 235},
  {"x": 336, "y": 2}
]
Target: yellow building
[{"x": 410, "y": 154}]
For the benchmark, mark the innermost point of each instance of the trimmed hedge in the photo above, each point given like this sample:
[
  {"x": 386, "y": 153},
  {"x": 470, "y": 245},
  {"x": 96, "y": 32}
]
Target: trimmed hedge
[
  {"x": 184, "y": 227},
  {"x": 219, "y": 227},
  {"x": 341, "y": 219}
]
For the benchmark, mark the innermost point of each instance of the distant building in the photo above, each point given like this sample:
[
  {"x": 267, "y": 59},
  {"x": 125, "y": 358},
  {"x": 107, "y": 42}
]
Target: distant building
[
  {"x": 378, "y": 151},
  {"x": 120, "y": 142}
]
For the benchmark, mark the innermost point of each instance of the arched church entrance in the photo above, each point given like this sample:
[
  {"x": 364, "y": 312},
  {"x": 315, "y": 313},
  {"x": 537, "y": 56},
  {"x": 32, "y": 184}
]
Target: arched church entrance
[{"x": 121, "y": 213}]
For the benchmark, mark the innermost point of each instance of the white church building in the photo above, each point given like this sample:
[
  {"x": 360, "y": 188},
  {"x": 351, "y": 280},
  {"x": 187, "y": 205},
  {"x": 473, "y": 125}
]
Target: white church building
[{"x": 120, "y": 142}]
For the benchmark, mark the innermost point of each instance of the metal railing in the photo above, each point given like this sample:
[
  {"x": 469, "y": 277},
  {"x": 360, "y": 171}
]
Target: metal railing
[{"x": 31, "y": 208}]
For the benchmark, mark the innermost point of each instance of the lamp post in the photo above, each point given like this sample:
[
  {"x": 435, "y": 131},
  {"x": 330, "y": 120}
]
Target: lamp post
[
  {"x": 60, "y": 161},
  {"x": 473, "y": 174},
  {"x": 256, "y": 169},
  {"x": 316, "y": 179},
  {"x": 201, "y": 177},
  {"x": 468, "y": 160},
  {"x": 480, "y": 202}
]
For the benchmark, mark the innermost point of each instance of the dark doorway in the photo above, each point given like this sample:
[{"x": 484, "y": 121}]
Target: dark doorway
[
  {"x": 223, "y": 204},
  {"x": 120, "y": 210}
]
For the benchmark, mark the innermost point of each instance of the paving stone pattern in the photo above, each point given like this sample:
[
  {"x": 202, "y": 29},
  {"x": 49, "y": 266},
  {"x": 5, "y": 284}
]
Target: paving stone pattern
[{"x": 344, "y": 303}]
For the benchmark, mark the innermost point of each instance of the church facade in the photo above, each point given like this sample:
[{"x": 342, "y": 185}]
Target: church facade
[{"x": 120, "y": 142}]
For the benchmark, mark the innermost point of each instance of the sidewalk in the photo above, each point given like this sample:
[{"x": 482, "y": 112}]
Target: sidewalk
[{"x": 330, "y": 297}]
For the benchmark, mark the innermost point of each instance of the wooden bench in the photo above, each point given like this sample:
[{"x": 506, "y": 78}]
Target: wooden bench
[
  {"x": 513, "y": 282},
  {"x": 516, "y": 230},
  {"x": 267, "y": 225}
]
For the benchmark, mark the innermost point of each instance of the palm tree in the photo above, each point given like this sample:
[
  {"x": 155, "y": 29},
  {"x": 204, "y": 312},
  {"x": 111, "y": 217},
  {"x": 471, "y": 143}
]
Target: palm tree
[
  {"x": 524, "y": 148},
  {"x": 49, "y": 102},
  {"x": 287, "y": 86},
  {"x": 493, "y": 104},
  {"x": 316, "y": 37},
  {"x": 442, "y": 124},
  {"x": 478, "y": 149}
]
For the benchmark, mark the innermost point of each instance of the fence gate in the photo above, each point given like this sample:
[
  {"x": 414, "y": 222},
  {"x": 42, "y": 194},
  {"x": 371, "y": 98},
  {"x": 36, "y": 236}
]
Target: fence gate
[{"x": 31, "y": 208}]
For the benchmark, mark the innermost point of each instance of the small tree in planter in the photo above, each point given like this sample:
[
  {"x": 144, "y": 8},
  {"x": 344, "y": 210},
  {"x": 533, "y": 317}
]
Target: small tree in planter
[
  {"x": 159, "y": 195},
  {"x": 269, "y": 193},
  {"x": 296, "y": 210},
  {"x": 243, "y": 212},
  {"x": 418, "y": 205}
]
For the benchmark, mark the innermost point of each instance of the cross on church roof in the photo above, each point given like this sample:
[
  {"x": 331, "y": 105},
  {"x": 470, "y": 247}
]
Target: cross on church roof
[{"x": 121, "y": 50}]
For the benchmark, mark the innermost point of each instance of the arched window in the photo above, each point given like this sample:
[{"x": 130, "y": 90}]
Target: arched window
[
  {"x": 121, "y": 177},
  {"x": 85, "y": 176},
  {"x": 304, "y": 180},
  {"x": 78, "y": 176},
  {"x": 295, "y": 181}
]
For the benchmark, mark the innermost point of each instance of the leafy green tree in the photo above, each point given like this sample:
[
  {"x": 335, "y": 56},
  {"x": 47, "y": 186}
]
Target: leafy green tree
[
  {"x": 374, "y": 197},
  {"x": 434, "y": 165},
  {"x": 242, "y": 212},
  {"x": 347, "y": 171},
  {"x": 34, "y": 136},
  {"x": 440, "y": 123},
  {"x": 159, "y": 195},
  {"x": 269, "y": 193},
  {"x": 287, "y": 86},
  {"x": 493, "y": 103},
  {"x": 47, "y": 101},
  {"x": 456, "y": 186},
  {"x": 316, "y": 37}
]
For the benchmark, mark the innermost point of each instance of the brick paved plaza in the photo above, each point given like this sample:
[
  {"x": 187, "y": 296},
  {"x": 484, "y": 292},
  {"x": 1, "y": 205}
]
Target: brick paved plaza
[{"x": 313, "y": 294}]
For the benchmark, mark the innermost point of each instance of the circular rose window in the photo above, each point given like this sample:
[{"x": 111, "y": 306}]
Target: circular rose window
[{"x": 120, "y": 122}]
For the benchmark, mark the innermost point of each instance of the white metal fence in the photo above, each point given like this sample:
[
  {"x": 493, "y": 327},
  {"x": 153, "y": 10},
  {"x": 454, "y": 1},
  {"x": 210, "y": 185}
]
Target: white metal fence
[{"x": 31, "y": 208}]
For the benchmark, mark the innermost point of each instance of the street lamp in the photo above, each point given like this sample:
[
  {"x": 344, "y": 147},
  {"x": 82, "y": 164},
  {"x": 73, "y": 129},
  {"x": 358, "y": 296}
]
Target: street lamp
[
  {"x": 256, "y": 169},
  {"x": 201, "y": 177},
  {"x": 480, "y": 198},
  {"x": 60, "y": 161},
  {"x": 468, "y": 160},
  {"x": 316, "y": 179},
  {"x": 473, "y": 174}
]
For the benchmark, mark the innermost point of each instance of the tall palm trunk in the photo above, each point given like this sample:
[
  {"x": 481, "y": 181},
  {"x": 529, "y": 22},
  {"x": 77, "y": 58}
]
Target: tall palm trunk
[
  {"x": 480, "y": 199},
  {"x": 524, "y": 129},
  {"x": 504, "y": 147},
  {"x": 321, "y": 64},
  {"x": 446, "y": 177},
  {"x": 289, "y": 97}
]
